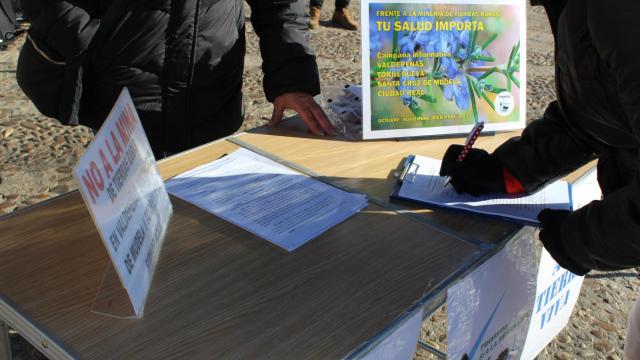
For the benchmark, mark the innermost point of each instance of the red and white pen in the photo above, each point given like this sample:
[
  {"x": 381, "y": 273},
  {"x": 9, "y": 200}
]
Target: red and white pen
[{"x": 468, "y": 144}]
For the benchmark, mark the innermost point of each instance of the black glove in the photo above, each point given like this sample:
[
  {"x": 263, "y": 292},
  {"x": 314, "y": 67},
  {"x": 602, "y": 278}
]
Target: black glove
[
  {"x": 479, "y": 173},
  {"x": 551, "y": 237}
]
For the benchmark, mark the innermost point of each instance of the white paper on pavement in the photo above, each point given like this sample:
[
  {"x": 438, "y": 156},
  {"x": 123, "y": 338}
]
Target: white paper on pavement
[
  {"x": 126, "y": 197},
  {"x": 266, "y": 198}
]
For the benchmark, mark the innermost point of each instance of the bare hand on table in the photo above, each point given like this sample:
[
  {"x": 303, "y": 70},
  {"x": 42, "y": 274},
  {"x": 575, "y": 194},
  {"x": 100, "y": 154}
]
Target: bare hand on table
[{"x": 310, "y": 112}]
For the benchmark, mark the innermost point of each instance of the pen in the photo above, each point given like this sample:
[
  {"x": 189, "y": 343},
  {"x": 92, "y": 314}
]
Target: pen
[{"x": 468, "y": 144}]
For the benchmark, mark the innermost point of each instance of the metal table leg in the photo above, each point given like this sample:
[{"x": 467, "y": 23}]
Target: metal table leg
[
  {"x": 431, "y": 349},
  {"x": 5, "y": 345}
]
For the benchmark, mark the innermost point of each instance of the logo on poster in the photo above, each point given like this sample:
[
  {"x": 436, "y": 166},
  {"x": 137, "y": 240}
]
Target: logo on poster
[{"x": 504, "y": 103}]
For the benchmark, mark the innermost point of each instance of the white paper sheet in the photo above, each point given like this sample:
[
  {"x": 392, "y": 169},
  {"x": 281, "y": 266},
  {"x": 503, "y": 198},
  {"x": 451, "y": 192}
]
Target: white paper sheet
[
  {"x": 266, "y": 198},
  {"x": 585, "y": 189},
  {"x": 425, "y": 185}
]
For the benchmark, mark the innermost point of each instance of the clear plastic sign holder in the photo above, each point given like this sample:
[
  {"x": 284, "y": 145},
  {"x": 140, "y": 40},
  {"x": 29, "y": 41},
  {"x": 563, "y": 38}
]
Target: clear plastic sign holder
[
  {"x": 112, "y": 298},
  {"x": 130, "y": 206}
]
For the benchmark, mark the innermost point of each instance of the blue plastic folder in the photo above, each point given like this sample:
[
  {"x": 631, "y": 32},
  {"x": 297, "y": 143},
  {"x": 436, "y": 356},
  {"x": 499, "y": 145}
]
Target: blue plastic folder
[{"x": 420, "y": 182}]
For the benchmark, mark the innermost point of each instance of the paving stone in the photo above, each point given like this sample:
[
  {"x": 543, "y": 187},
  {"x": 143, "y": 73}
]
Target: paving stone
[
  {"x": 65, "y": 169},
  {"x": 606, "y": 326},
  {"x": 603, "y": 346},
  {"x": 6, "y": 132}
]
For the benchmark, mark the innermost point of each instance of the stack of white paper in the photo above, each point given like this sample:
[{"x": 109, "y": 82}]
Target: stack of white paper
[{"x": 266, "y": 198}]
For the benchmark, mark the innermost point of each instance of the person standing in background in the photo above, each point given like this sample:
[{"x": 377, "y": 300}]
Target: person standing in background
[
  {"x": 182, "y": 62},
  {"x": 341, "y": 15}
]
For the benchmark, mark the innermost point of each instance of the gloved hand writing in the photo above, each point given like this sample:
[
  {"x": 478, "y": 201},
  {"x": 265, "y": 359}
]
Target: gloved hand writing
[
  {"x": 479, "y": 173},
  {"x": 551, "y": 237}
]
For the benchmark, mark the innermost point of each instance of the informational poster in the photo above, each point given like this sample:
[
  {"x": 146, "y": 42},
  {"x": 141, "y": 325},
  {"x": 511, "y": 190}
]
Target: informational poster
[
  {"x": 489, "y": 311},
  {"x": 556, "y": 296},
  {"x": 438, "y": 67},
  {"x": 126, "y": 197}
]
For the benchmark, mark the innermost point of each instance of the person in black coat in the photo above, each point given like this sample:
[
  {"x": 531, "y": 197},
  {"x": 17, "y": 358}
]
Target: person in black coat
[
  {"x": 596, "y": 115},
  {"x": 182, "y": 61}
]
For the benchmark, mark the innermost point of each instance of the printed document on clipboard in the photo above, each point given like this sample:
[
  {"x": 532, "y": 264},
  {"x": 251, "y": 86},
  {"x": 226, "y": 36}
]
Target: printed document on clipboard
[
  {"x": 266, "y": 198},
  {"x": 421, "y": 182}
]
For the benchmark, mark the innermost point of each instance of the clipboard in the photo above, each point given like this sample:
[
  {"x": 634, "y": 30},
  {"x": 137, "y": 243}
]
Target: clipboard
[{"x": 408, "y": 173}]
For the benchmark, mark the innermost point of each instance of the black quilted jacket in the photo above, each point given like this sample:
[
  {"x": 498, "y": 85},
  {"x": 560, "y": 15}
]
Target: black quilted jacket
[
  {"x": 181, "y": 60},
  {"x": 597, "y": 115}
]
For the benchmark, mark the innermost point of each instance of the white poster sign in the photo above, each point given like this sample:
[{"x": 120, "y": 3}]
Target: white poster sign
[
  {"x": 556, "y": 295},
  {"x": 126, "y": 197},
  {"x": 490, "y": 309}
]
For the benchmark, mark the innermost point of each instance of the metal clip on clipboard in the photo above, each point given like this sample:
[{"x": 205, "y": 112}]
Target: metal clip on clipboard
[{"x": 409, "y": 171}]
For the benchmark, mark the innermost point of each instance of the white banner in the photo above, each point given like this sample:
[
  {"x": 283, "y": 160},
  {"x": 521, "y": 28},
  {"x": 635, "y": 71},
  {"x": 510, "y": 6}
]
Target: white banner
[
  {"x": 126, "y": 197},
  {"x": 490, "y": 309},
  {"x": 556, "y": 295}
]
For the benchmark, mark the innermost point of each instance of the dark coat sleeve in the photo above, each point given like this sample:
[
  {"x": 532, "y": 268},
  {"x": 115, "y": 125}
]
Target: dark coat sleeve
[
  {"x": 547, "y": 150},
  {"x": 50, "y": 65},
  {"x": 289, "y": 64},
  {"x": 605, "y": 235},
  {"x": 63, "y": 28},
  {"x": 553, "y": 9}
]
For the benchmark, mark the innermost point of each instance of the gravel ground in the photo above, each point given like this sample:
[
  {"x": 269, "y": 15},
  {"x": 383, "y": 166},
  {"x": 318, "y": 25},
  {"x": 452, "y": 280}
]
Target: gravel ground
[{"x": 37, "y": 155}]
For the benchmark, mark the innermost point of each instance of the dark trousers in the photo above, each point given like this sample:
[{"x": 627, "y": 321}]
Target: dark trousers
[{"x": 340, "y": 4}]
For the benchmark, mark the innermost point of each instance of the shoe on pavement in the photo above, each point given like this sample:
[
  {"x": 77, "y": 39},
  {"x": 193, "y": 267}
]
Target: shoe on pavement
[
  {"x": 342, "y": 18},
  {"x": 314, "y": 12}
]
